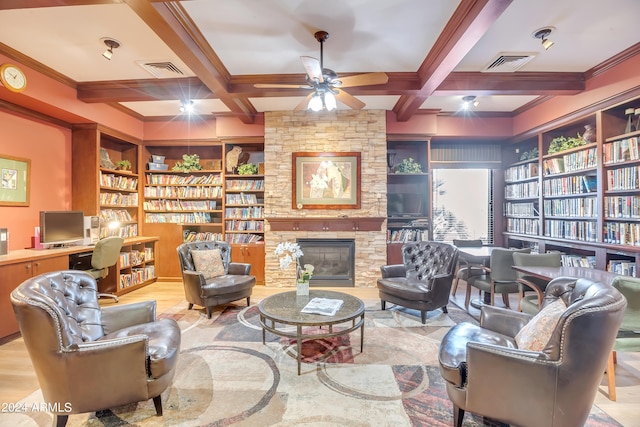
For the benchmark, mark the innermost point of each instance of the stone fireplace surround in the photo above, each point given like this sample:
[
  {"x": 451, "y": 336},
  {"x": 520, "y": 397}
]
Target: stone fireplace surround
[{"x": 361, "y": 131}]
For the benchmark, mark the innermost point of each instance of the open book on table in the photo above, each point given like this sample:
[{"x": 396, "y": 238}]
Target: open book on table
[{"x": 325, "y": 306}]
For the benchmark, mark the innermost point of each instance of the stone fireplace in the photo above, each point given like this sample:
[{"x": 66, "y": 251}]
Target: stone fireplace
[
  {"x": 362, "y": 131},
  {"x": 333, "y": 261}
]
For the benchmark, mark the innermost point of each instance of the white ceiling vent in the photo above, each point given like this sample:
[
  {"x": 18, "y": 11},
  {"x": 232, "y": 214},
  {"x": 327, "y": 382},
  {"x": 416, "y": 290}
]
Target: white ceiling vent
[
  {"x": 508, "y": 62},
  {"x": 161, "y": 69}
]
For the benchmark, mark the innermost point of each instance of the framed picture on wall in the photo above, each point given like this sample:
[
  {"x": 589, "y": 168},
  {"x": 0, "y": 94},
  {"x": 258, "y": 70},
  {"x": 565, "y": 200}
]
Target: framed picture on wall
[
  {"x": 14, "y": 186},
  {"x": 326, "y": 180}
]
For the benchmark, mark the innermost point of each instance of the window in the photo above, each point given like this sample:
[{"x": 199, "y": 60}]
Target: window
[{"x": 462, "y": 204}]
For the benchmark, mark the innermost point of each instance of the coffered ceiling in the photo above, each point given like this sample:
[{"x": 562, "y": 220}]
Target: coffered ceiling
[{"x": 215, "y": 51}]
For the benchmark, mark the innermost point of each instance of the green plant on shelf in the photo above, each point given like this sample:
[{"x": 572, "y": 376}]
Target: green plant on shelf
[
  {"x": 408, "y": 166},
  {"x": 248, "y": 169},
  {"x": 189, "y": 162},
  {"x": 529, "y": 155},
  {"x": 124, "y": 165},
  {"x": 562, "y": 143}
]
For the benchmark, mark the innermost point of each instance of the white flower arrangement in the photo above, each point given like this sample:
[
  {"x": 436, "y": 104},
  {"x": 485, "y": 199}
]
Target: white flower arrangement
[{"x": 290, "y": 252}]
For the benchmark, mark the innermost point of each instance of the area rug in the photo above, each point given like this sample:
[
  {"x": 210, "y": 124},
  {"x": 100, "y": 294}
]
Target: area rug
[{"x": 226, "y": 376}]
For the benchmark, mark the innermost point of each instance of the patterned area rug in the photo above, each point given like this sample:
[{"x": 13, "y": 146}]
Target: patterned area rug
[{"x": 226, "y": 376}]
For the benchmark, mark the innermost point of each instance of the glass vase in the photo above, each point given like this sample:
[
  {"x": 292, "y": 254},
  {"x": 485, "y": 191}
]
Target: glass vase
[{"x": 302, "y": 287}]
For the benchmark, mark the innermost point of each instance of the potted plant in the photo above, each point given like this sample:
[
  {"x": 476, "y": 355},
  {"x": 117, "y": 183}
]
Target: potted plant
[
  {"x": 189, "y": 162},
  {"x": 562, "y": 143},
  {"x": 408, "y": 166},
  {"x": 248, "y": 169},
  {"x": 123, "y": 165}
]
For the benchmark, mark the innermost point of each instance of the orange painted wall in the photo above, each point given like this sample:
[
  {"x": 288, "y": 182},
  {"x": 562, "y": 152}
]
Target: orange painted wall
[{"x": 49, "y": 148}]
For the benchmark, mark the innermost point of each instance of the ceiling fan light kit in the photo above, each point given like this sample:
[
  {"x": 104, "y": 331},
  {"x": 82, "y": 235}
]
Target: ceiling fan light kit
[{"x": 325, "y": 84}]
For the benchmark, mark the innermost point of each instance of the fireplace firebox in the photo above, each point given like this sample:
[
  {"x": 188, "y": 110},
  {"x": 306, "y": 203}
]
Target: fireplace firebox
[{"x": 333, "y": 261}]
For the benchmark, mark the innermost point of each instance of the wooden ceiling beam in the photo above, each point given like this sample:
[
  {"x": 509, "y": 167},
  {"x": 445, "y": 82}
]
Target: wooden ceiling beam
[
  {"x": 470, "y": 21},
  {"x": 174, "y": 26}
]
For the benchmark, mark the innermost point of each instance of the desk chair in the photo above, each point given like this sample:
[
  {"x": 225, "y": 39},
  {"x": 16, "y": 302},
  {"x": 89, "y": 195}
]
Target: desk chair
[{"x": 105, "y": 254}]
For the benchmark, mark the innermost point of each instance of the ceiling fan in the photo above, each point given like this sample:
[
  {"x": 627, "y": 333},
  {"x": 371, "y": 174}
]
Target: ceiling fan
[{"x": 326, "y": 85}]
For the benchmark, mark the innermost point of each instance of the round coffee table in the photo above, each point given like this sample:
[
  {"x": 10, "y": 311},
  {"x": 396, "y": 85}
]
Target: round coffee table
[{"x": 285, "y": 309}]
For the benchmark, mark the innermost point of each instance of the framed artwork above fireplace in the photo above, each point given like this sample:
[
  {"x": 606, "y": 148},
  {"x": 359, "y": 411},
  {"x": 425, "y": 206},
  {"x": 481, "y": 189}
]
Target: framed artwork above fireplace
[{"x": 326, "y": 180}]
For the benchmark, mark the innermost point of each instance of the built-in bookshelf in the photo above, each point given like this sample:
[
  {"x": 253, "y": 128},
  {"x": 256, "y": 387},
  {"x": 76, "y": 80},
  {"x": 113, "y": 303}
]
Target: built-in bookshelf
[
  {"x": 244, "y": 208},
  {"x": 136, "y": 265},
  {"x": 521, "y": 195}
]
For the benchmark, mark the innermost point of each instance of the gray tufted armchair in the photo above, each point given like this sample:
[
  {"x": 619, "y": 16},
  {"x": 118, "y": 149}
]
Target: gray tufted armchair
[
  {"x": 89, "y": 358},
  {"x": 424, "y": 279},
  {"x": 236, "y": 284}
]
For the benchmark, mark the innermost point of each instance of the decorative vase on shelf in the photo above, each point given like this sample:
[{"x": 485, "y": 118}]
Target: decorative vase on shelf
[
  {"x": 302, "y": 287},
  {"x": 589, "y": 133}
]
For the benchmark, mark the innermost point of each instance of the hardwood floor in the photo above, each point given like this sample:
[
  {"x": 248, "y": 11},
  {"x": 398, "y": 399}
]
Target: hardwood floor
[{"x": 18, "y": 380}]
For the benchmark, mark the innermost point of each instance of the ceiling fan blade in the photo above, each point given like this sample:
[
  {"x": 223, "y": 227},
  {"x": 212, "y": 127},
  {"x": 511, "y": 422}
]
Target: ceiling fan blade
[
  {"x": 280, "y": 86},
  {"x": 349, "y": 100},
  {"x": 364, "y": 79},
  {"x": 312, "y": 65},
  {"x": 304, "y": 103}
]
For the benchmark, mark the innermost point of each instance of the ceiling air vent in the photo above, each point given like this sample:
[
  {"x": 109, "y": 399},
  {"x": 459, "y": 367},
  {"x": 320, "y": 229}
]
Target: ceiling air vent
[
  {"x": 508, "y": 62},
  {"x": 161, "y": 69}
]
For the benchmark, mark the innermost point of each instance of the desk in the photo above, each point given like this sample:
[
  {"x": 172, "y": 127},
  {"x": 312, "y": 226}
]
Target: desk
[
  {"x": 479, "y": 256},
  {"x": 20, "y": 265},
  {"x": 549, "y": 273}
]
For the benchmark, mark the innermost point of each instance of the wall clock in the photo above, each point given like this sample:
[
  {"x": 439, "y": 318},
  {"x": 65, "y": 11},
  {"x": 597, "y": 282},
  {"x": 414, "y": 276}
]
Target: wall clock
[{"x": 13, "y": 78}]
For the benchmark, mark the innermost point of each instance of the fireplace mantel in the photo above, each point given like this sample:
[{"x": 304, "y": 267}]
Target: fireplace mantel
[{"x": 326, "y": 224}]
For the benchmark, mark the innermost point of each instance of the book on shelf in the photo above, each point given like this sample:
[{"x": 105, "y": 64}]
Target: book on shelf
[{"x": 324, "y": 306}]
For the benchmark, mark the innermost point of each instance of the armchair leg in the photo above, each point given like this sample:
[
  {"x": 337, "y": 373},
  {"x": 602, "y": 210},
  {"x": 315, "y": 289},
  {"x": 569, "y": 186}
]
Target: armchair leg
[
  {"x": 423, "y": 316},
  {"x": 157, "y": 402},
  {"x": 248, "y": 301},
  {"x": 60, "y": 420},
  {"x": 611, "y": 376},
  {"x": 454, "y": 287},
  {"x": 467, "y": 297},
  {"x": 458, "y": 415},
  {"x": 383, "y": 304},
  {"x": 190, "y": 306},
  {"x": 444, "y": 309},
  {"x": 505, "y": 300},
  {"x": 209, "y": 311}
]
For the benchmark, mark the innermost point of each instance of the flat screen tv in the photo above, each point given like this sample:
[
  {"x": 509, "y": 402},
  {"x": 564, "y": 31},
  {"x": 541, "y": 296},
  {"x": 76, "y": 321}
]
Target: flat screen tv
[
  {"x": 61, "y": 227},
  {"x": 404, "y": 204}
]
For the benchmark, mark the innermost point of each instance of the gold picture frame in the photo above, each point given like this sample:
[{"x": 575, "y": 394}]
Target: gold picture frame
[
  {"x": 326, "y": 180},
  {"x": 15, "y": 179}
]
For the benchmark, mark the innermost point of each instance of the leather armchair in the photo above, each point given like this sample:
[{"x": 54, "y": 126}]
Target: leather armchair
[
  {"x": 423, "y": 281},
  {"x": 238, "y": 283},
  {"x": 485, "y": 373},
  {"x": 89, "y": 358}
]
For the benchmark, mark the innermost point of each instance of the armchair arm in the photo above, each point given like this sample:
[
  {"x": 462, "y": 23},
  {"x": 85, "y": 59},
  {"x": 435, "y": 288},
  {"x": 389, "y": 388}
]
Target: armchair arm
[
  {"x": 502, "y": 320},
  {"x": 525, "y": 283},
  {"x": 239, "y": 268},
  {"x": 393, "y": 270},
  {"x": 117, "y": 317}
]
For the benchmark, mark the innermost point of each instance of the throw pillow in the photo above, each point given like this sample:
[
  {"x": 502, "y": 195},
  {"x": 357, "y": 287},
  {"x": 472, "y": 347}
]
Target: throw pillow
[
  {"x": 535, "y": 334},
  {"x": 208, "y": 262}
]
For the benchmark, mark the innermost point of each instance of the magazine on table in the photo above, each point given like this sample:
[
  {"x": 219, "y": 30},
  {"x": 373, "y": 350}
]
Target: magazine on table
[{"x": 324, "y": 306}]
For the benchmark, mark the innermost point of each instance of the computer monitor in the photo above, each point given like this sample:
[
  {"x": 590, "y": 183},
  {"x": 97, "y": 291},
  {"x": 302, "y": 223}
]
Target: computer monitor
[{"x": 61, "y": 227}]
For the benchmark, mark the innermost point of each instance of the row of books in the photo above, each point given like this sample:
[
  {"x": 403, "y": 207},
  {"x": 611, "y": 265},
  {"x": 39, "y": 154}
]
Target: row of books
[
  {"x": 119, "y": 199},
  {"x": 125, "y": 231},
  {"x": 135, "y": 257},
  {"x": 570, "y": 229},
  {"x": 523, "y": 226},
  {"x": 110, "y": 215},
  {"x": 407, "y": 235},
  {"x": 118, "y": 182},
  {"x": 522, "y": 190},
  {"x": 200, "y": 236},
  {"x": 165, "y": 179},
  {"x": 137, "y": 275},
  {"x": 520, "y": 209},
  {"x": 623, "y": 178},
  {"x": 520, "y": 172},
  {"x": 245, "y": 184},
  {"x": 622, "y": 207},
  {"x": 579, "y": 207},
  {"x": 625, "y": 268},
  {"x": 243, "y": 238},
  {"x": 178, "y": 218},
  {"x": 621, "y": 233},
  {"x": 248, "y": 212},
  {"x": 241, "y": 199},
  {"x": 183, "y": 192},
  {"x": 621, "y": 151},
  {"x": 588, "y": 261},
  {"x": 577, "y": 184},
  {"x": 179, "y": 205},
  {"x": 577, "y": 161},
  {"x": 241, "y": 225}
]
